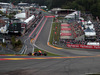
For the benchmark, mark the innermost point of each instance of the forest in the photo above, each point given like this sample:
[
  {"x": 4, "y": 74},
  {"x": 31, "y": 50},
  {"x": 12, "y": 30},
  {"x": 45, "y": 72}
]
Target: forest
[{"x": 91, "y": 6}]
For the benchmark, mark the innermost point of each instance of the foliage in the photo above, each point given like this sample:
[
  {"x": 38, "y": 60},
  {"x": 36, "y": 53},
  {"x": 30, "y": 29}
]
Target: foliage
[
  {"x": 10, "y": 16},
  {"x": 92, "y": 6},
  {"x": 18, "y": 43},
  {"x": 1, "y": 12},
  {"x": 55, "y": 33},
  {"x": 51, "y": 35},
  {"x": 15, "y": 43},
  {"x": 4, "y": 44}
]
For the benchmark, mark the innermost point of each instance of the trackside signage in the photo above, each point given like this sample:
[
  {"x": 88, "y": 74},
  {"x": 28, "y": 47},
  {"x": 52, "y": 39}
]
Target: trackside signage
[{"x": 83, "y": 46}]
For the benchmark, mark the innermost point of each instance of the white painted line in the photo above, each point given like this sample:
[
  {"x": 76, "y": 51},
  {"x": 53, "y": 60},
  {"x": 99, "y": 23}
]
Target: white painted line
[
  {"x": 36, "y": 27},
  {"x": 50, "y": 32}
]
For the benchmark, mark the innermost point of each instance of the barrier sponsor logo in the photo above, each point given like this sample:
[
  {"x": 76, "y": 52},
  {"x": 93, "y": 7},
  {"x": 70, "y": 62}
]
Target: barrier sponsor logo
[
  {"x": 83, "y": 46},
  {"x": 86, "y": 46},
  {"x": 73, "y": 45},
  {"x": 97, "y": 47}
]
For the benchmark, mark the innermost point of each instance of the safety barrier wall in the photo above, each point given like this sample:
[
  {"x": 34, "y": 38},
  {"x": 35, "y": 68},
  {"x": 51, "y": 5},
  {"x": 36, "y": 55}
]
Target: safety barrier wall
[{"x": 83, "y": 46}]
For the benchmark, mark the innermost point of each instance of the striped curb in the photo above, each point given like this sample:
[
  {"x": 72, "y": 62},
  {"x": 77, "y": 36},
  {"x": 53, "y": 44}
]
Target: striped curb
[
  {"x": 1, "y": 59},
  {"x": 53, "y": 46}
]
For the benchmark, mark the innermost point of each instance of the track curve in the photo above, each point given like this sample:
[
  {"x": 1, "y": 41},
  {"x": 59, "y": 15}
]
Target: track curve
[{"x": 42, "y": 40}]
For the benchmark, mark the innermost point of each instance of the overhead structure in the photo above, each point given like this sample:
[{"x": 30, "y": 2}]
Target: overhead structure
[
  {"x": 72, "y": 15},
  {"x": 89, "y": 32},
  {"x": 21, "y": 16},
  {"x": 90, "y": 25},
  {"x": 29, "y": 19},
  {"x": 89, "y": 22}
]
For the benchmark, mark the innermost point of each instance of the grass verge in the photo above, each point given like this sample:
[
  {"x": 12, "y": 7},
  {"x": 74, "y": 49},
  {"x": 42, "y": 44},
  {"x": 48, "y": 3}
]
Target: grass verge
[{"x": 55, "y": 33}]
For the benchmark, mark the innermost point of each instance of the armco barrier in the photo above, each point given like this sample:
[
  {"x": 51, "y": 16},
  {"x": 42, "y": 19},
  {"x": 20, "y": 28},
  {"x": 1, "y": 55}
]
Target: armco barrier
[{"x": 83, "y": 46}]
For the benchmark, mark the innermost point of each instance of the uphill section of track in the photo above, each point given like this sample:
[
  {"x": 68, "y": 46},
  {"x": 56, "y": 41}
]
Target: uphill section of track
[
  {"x": 55, "y": 66},
  {"x": 32, "y": 35},
  {"x": 42, "y": 40}
]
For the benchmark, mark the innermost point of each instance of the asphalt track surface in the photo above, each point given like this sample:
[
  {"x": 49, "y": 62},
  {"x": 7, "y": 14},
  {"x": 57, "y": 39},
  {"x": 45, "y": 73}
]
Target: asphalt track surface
[
  {"x": 87, "y": 62},
  {"x": 69, "y": 66},
  {"x": 42, "y": 40},
  {"x": 33, "y": 35}
]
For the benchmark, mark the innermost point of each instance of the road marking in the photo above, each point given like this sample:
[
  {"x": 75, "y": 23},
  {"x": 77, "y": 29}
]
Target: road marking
[
  {"x": 53, "y": 46},
  {"x": 32, "y": 40},
  {"x": 3, "y": 59},
  {"x": 15, "y": 58},
  {"x": 39, "y": 58},
  {"x": 12, "y": 55},
  {"x": 40, "y": 29},
  {"x": 36, "y": 27},
  {"x": 43, "y": 10}
]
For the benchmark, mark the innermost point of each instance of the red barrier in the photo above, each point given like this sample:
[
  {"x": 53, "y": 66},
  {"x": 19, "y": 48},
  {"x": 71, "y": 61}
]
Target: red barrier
[
  {"x": 67, "y": 29},
  {"x": 65, "y": 34},
  {"x": 83, "y": 46},
  {"x": 73, "y": 45},
  {"x": 96, "y": 47},
  {"x": 65, "y": 25},
  {"x": 87, "y": 46},
  {"x": 50, "y": 16}
]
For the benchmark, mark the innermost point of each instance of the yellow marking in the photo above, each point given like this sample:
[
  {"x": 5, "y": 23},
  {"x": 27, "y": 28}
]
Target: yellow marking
[
  {"x": 41, "y": 58},
  {"x": 50, "y": 57},
  {"x": 54, "y": 46},
  {"x": 15, "y": 58},
  {"x": 32, "y": 40},
  {"x": 57, "y": 57},
  {"x": 43, "y": 10}
]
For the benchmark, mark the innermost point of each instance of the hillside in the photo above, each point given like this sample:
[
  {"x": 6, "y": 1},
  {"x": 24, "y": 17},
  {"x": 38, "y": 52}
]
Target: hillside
[{"x": 92, "y": 6}]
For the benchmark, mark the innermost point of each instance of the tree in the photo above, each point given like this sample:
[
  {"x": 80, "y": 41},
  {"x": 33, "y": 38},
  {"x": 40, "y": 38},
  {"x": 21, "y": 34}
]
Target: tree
[
  {"x": 13, "y": 41},
  {"x": 1, "y": 12},
  {"x": 18, "y": 43},
  {"x": 92, "y": 6}
]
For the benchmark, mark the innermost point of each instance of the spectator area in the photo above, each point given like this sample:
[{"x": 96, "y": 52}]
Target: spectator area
[{"x": 65, "y": 32}]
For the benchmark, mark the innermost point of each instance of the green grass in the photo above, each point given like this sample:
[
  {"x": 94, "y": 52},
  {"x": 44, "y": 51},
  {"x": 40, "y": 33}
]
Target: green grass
[
  {"x": 60, "y": 18},
  {"x": 58, "y": 31},
  {"x": 48, "y": 53},
  {"x": 53, "y": 36}
]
